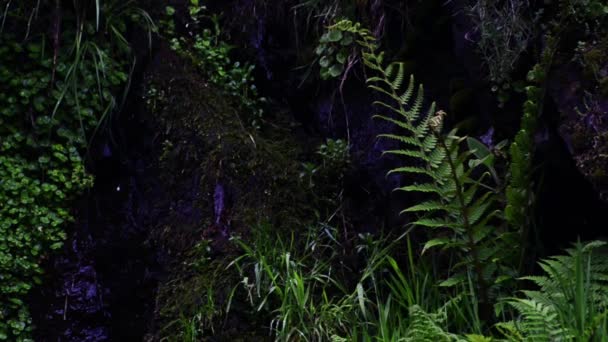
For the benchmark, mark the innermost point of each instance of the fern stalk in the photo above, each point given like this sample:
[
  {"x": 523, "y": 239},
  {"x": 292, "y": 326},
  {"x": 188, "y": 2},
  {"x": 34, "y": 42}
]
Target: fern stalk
[{"x": 482, "y": 285}]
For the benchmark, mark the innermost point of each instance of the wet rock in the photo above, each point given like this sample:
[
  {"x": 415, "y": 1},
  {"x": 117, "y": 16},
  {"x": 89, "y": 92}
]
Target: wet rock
[{"x": 100, "y": 286}]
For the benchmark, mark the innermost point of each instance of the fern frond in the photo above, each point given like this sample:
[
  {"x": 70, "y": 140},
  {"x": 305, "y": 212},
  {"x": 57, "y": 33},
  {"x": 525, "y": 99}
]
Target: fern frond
[
  {"x": 457, "y": 202},
  {"x": 407, "y": 153},
  {"x": 432, "y": 205},
  {"x": 429, "y": 143},
  {"x": 403, "y": 124},
  {"x": 519, "y": 196},
  {"x": 399, "y": 76},
  {"x": 427, "y": 187},
  {"x": 438, "y": 223},
  {"x": 572, "y": 300},
  {"x": 409, "y": 91},
  {"x": 387, "y": 106},
  {"x": 539, "y": 321},
  {"x": 426, "y": 327},
  {"x": 404, "y": 139},
  {"x": 411, "y": 170},
  {"x": 436, "y": 157}
]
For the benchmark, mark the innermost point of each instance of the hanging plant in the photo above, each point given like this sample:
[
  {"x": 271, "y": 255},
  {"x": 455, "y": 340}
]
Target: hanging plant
[{"x": 335, "y": 46}]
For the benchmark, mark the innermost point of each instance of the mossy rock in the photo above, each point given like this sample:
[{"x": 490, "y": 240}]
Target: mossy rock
[{"x": 203, "y": 142}]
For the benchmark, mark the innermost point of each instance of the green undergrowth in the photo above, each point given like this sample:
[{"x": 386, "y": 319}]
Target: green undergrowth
[
  {"x": 310, "y": 280},
  {"x": 257, "y": 240},
  {"x": 267, "y": 173},
  {"x": 206, "y": 140},
  {"x": 54, "y": 95},
  {"x": 312, "y": 285},
  {"x": 308, "y": 286},
  {"x": 211, "y": 54}
]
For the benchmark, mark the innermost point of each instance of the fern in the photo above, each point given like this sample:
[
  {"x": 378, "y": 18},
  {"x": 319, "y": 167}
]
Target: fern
[
  {"x": 572, "y": 302},
  {"x": 458, "y": 202},
  {"x": 426, "y": 327},
  {"x": 538, "y": 322}
]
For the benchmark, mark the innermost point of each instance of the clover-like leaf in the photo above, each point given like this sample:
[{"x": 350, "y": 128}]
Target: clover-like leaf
[
  {"x": 334, "y": 36},
  {"x": 342, "y": 56},
  {"x": 324, "y": 61},
  {"x": 336, "y": 70}
]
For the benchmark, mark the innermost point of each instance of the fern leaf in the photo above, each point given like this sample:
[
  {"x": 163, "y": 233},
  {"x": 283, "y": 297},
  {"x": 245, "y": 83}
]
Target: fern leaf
[
  {"x": 430, "y": 143},
  {"x": 457, "y": 201},
  {"x": 404, "y": 139},
  {"x": 408, "y": 153},
  {"x": 436, "y": 157},
  {"x": 479, "y": 208},
  {"x": 409, "y": 92},
  {"x": 403, "y": 124},
  {"x": 410, "y": 169},
  {"x": 427, "y": 187},
  {"x": 413, "y": 113},
  {"x": 438, "y": 223},
  {"x": 389, "y": 107},
  {"x": 385, "y": 92},
  {"x": 431, "y": 205},
  {"x": 425, "y": 327},
  {"x": 563, "y": 308},
  {"x": 399, "y": 77}
]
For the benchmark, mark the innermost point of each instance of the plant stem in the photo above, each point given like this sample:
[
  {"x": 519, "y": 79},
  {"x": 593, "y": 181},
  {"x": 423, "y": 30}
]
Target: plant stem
[{"x": 483, "y": 290}]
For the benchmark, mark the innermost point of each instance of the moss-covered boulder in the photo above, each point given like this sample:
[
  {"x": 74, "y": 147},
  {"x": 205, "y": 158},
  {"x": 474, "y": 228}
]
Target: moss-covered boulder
[{"x": 222, "y": 177}]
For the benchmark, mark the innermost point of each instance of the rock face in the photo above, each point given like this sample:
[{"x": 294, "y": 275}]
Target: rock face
[
  {"x": 99, "y": 288},
  {"x": 583, "y": 124},
  {"x": 162, "y": 213},
  {"x": 277, "y": 38}
]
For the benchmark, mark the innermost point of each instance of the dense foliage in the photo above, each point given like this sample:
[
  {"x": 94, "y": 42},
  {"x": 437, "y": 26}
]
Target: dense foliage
[
  {"x": 306, "y": 291},
  {"x": 211, "y": 55},
  {"x": 276, "y": 238},
  {"x": 54, "y": 94}
]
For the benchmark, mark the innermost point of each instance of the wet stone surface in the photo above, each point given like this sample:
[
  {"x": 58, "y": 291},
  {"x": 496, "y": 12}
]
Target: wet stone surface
[{"x": 101, "y": 286}]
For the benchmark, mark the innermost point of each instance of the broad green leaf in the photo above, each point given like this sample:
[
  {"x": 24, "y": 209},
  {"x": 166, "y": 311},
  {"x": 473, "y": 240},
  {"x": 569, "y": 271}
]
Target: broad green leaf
[{"x": 334, "y": 36}]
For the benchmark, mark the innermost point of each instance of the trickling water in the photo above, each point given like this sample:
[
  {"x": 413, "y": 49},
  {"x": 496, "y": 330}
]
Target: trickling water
[{"x": 218, "y": 202}]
